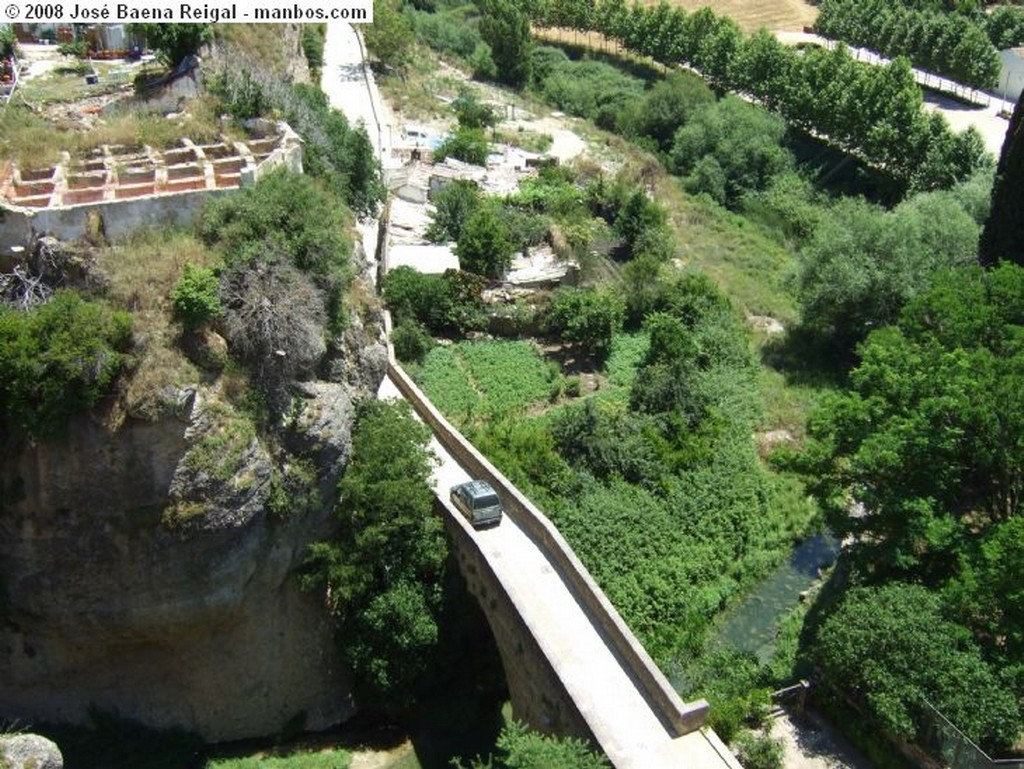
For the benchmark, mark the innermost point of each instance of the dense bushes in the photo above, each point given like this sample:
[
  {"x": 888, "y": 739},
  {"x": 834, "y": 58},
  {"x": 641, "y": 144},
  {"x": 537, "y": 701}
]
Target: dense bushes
[
  {"x": 447, "y": 305},
  {"x": 948, "y": 44},
  {"x": 587, "y": 318},
  {"x": 334, "y": 151},
  {"x": 284, "y": 277},
  {"x": 730, "y": 149},
  {"x": 275, "y": 214},
  {"x": 862, "y": 264},
  {"x": 382, "y": 575},
  {"x": 57, "y": 359},
  {"x": 469, "y": 145}
]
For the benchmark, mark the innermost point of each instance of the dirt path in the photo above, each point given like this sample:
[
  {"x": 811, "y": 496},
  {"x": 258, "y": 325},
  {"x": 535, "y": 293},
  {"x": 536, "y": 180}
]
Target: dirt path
[{"x": 812, "y": 743}]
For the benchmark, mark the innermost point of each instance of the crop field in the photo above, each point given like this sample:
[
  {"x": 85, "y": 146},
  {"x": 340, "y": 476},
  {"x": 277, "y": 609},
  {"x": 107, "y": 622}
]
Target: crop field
[
  {"x": 470, "y": 380},
  {"x": 751, "y": 15}
]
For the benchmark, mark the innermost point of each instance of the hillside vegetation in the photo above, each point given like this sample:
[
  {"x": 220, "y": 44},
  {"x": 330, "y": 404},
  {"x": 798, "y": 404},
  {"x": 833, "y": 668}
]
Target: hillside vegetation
[{"x": 642, "y": 452}]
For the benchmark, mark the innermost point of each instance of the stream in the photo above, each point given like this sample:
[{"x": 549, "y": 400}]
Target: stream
[{"x": 751, "y": 626}]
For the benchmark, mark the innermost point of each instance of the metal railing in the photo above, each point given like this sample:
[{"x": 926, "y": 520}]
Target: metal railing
[{"x": 944, "y": 740}]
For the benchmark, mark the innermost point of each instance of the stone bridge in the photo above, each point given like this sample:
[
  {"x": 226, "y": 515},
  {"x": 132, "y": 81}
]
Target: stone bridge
[{"x": 573, "y": 666}]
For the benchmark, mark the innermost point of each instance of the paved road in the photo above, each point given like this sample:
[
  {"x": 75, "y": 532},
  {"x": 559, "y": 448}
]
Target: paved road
[{"x": 984, "y": 116}]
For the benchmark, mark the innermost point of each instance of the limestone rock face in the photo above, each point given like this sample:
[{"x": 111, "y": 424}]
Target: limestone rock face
[
  {"x": 189, "y": 619},
  {"x": 29, "y": 751}
]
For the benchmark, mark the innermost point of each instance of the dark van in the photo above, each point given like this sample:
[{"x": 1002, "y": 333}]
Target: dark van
[{"x": 479, "y": 502}]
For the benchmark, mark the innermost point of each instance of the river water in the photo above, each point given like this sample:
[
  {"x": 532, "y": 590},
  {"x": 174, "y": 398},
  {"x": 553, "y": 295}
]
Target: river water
[{"x": 752, "y": 625}]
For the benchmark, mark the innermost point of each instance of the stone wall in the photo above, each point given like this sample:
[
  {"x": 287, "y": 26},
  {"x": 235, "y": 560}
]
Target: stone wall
[
  {"x": 200, "y": 626},
  {"x": 130, "y": 189}
]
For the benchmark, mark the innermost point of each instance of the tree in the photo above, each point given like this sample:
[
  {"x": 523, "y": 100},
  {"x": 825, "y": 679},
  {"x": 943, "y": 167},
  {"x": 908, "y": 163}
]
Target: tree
[
  {"x": 670, "y": 104},
  {"x": 174, "y": 42},
  {"x": 1003, "y": 236},
  {"x": 587, "y": 318},
  {"x": 638, "y": 215},
  {"x": 484, "y": 246},
  {"x": 929, "y": 442},
  {"x": 390, "y": 36},
  {"x": 891, "y": 647},
  {"x": 471, "y": 113},
  {"x": 505, "y": 27},
  {"x": 745, "y": 143},
  {"x": 453, "y": 205},
  {"x": 448, "y": 304},
  {"x": 194, "y": 297},
  {"x": 863, "y": 264},
  {"x": 334, "y": 151},
  {"x": 469, "y": 145},
  {"x": 382, "y": 574}
]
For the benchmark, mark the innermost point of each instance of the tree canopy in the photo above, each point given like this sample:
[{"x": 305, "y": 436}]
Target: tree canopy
[
  {"x": 383, "y": 571},
  {"x": 892, "y": 647},
  {"x": 930, "y": 437}
]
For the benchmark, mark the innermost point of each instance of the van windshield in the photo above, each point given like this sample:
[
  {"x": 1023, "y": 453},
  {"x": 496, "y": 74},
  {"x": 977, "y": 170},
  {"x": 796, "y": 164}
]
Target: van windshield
[{"x": 487, "y": 500}]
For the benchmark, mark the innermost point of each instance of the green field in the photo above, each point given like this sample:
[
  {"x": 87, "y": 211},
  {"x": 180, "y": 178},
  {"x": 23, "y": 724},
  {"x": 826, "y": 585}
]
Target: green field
[{"x": 473, "y": 380}]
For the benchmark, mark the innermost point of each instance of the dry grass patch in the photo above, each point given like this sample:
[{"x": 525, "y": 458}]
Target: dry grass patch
[
  {"x": 141, "y": 271},
  {"x": 751, "y": 15},
  {"x": 263, "y": 43},
  {"x": 35, "y": 142}
]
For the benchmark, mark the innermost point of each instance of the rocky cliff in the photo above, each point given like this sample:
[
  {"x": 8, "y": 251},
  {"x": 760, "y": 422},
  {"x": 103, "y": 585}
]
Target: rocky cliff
[{"x": 149, "y": 570}]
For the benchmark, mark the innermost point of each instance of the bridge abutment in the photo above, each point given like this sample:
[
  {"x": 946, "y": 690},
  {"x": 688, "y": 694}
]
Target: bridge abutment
[{"x": 538, "y": 696}]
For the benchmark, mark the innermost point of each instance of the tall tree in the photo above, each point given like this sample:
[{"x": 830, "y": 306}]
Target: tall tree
[
  {"x": 929, "y": 443},
  {"x": 390, "y": 36},
  {"x": 1003, "y": 236},
  {"x": 505, "y": 27}
]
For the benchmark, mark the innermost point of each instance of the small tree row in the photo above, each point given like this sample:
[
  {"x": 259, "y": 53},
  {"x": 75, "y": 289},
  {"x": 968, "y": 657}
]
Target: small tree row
[
  {"x": 949, "y": 44},
  {"x": 875, "y": 113}
]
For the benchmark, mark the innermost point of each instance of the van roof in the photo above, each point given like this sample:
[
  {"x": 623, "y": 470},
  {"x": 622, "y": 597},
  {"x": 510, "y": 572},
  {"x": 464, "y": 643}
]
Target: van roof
[{"x": 478, "y": 488}]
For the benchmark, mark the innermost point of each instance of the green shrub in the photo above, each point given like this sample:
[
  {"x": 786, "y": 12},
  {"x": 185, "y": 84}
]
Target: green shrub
[
  {"x": 521, "y": 748},
  {"x": 334, "y": 151},
  {"x": 313, "y": 46},
  {"x": 173, "y": 42},
  {"x": 472, "y": 113},
  {"x": 194, "y": 298},
  {"x": 411, "y": 342},
  {"x": 58, "y": 359},
  {"x": 469, "y": 145},
  {"x": 274, "y": 217},
  {"x": 485, "y": 246},
  {"x": 453, "y": 205},
  {"x": 759, "y": 751},
  {"x": 448, "y": 32},
  {"x": 587, "y": 318}
]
